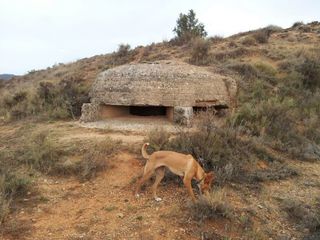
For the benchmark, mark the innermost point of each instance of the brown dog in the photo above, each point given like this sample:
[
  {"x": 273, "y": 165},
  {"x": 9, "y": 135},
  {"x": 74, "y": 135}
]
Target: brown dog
[{"x": 180, "y": 164}]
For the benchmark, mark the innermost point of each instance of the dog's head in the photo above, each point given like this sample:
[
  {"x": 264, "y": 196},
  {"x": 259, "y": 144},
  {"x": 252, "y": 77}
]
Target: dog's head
[{"x": 205, "y": 185}]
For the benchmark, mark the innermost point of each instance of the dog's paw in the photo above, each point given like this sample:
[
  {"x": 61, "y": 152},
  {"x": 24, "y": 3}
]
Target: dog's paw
[{"x": 158, "y": 199}]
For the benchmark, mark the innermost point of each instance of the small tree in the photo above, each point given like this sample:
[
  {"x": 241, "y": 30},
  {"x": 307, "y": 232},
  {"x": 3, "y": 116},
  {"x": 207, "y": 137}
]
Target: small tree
[{"x": 188, "y": 27}]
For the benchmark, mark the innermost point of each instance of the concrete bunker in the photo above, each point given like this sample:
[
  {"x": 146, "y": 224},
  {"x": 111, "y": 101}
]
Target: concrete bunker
[{"x": 169, "y": 90}]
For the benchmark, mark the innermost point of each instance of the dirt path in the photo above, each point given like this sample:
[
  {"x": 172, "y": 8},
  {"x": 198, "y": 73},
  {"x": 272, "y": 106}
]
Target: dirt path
[{"x": 106, "y": 208}]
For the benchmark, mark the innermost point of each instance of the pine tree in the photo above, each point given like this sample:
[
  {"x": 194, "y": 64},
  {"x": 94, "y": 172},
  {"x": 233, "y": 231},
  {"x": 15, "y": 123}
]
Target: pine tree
[{"x": 188, "y": 27}]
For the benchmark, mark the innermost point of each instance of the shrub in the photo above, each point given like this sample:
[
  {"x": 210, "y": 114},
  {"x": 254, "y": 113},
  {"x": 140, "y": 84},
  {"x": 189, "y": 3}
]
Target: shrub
[
  {"x": 310, "y": 71},
  {"x": 297, "y": 24},
  {"x": 158, "y": 139},
  {"x": 216, "y": 39},
  {"x": 276, "y": 171},
  {"x": 188, "y": 27},
  {"x": 95, "y": 161},
  {"x": 246, "y": 70},
  {"x": 58, "y": 101},
  {"x": 212, "y": 206},
  {"x": 92, "y": 160},
  {"x": 41, "y": 152},
  {"x": 123, "y": 50},
  {"x": 12, "y": 184},
  {"x": 213, "y": 147},
  {"x": 249, "y": 41},
  {"x": 122, "y": 55},
  {"x": 224, "y": 55},
  {"x": 305, "y": 215},
  {"x": 274, "y": 28},
  {"x": 200, "y": 51},
  {"x": 265, "y": 69},
  {"x": 262, "y": 35}
]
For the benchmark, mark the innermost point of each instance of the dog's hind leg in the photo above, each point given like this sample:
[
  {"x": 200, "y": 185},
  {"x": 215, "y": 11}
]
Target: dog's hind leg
[
  {"x": 159, "y": 176},
  {"x": 145, "y": 177}
]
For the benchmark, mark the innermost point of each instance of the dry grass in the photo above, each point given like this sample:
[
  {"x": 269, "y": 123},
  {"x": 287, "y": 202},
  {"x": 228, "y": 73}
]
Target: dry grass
[{"x": 212, "y": 206}]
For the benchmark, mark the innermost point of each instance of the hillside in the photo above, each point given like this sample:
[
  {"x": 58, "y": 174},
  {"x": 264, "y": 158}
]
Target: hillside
[
  {"x": 6, "y": 76},
  {"x": 59, "y": 180}
]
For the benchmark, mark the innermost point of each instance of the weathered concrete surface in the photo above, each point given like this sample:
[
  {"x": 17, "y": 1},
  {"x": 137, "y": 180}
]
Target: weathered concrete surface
[{"x": 160, "y": 84}]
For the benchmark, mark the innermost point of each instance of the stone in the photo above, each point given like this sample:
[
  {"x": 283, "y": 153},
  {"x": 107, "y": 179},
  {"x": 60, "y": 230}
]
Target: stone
[{"x": 89, "y": 112}]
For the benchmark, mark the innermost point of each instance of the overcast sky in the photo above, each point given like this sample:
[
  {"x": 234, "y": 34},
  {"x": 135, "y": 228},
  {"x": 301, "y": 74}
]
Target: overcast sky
[{"x": 35, "y": 34}]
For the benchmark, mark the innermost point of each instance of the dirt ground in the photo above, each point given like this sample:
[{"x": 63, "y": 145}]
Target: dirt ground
[{"x": 106, "y": 208}]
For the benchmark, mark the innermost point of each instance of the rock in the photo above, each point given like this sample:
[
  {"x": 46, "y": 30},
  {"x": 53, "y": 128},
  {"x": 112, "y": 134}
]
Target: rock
[{"x": 120, "y": 215}]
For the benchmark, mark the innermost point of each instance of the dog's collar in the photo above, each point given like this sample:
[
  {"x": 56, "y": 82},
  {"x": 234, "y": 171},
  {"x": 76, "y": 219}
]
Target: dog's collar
[{"x": 199, "y": 181}]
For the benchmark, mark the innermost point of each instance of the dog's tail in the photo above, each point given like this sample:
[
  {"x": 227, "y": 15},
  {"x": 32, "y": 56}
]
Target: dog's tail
[{"x": 144, "y": 151}]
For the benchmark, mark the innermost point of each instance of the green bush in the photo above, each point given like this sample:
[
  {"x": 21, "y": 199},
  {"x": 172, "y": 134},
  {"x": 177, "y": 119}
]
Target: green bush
[
  {"x": 188, "y": 27},
  {"x": 310, "y": 71}
]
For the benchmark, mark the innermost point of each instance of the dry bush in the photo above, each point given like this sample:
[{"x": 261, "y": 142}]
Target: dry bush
[
  {"x": 123, "y": 55},
  {"x": 249, "y": 41},
  {"x": 41, "y": 152},
  {"x": 265, "y": 70},
  {"x": 158, "y": 139},
  {"x": 211, "y": 206},
  {"x": 246, "y": 70},
  {"x": 48, "y": 100},
  {"x": 216, "y": 39},
  {"x": 12, "y": 184},
  {"x": 307, "y": 216},
  {"x": 310, "y": 71},
  {"x": 96, "y": 159},
  {"x": 225, "y": 55},
  {"x": 276, "y": 171},
  {"x": 214, "y": 147},
  {"x": 262, "y": 35},
  {"x": 274, "y": 28},
  {"x": 5, "y": 200},
  {"x": 297, "y": 24},
  {"x": 200, "y": 51},
  {"x": 123, "y": 50}
]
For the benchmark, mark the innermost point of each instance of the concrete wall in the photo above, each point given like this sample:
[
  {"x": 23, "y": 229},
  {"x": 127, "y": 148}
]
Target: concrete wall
[{"x": 169, "y": 113}]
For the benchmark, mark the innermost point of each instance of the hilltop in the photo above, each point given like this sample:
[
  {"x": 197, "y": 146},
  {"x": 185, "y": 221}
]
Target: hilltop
[
  {"x": 77, "y": 183},
  {"x": 6, "y": 76}
]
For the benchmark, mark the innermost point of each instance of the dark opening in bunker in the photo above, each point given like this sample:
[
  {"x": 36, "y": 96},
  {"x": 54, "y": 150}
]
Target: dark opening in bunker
[
  {"x": 147, "y": 110},
  {"x": 137, "y": 112}
]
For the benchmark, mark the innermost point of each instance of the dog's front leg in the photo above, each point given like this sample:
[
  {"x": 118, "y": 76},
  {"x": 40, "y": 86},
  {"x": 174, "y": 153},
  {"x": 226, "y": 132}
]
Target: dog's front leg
[{"x": 187, "y": 183}]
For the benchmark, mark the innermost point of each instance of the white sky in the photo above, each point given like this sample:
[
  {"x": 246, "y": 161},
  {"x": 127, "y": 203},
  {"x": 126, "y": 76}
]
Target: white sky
[{"x": 35, "y": 34}]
